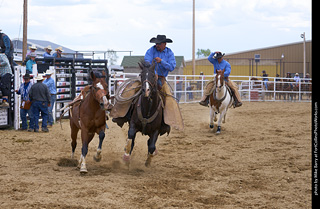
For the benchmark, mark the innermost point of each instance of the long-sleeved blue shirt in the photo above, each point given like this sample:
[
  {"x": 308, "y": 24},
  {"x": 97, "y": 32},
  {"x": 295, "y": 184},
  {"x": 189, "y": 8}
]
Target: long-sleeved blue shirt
[
  {"x": 24, "y": 90},
  {"x": 168, "y": 61},
  {"x": 29, "y": 66},
  {"x": 220, "y": 66},
  {"x": 51, "y": 85},
  {"x": 46, "y": 54}
]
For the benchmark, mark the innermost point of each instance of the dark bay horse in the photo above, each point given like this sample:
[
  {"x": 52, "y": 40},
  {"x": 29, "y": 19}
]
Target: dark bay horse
[
  {"x": 89, "y": 116},
  {"x": 146, "y": 114}
]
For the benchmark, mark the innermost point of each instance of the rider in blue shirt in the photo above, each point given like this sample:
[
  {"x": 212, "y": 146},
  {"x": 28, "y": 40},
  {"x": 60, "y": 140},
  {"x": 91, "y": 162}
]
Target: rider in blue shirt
[
  {"x": 219, "y": 64},
  {"x": 165, "y": 62}
]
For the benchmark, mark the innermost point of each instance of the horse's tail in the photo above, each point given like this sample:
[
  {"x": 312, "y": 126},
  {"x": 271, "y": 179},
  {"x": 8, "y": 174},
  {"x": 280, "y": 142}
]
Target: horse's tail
[{"x": 69, "y": 108}]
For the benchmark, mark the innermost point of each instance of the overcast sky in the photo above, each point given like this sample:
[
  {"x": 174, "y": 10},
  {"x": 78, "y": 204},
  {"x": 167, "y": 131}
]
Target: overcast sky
[{"x": 228, "y": 26}]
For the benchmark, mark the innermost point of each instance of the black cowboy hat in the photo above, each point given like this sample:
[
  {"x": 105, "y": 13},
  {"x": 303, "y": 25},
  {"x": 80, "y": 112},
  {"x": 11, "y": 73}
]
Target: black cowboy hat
[
  {"x": 27, "y": 76},
  {"x": 218, "y": 55},
  {"x": 160, "y": 39}
]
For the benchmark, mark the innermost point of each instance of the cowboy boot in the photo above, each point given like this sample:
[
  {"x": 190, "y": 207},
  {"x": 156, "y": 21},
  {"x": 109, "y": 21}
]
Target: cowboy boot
[
  {"x": 236, "y": 101},
  {"x": 204, "y": 101}
]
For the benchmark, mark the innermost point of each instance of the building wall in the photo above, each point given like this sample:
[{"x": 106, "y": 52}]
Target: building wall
[{"x": 243, "y": 63}]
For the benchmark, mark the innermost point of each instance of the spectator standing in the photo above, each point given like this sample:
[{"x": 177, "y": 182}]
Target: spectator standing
[
  {"x": 25, "y": 103},
  {"x": 179, "y": 83},
  {"x": 307, "y": 78},
  {"x": 33, "y": 49},
  {"x": 30, "y": 63},
  {"x": 48, "y": 51},
  {"x": 265, "y": 79},
  {"x": 296, "y": 78},
  {"x": 53, "y": 94},
  {"x": 40, "y": 96},
  {"x": 58, "y": 53},
  {"x": 7, "y": 48},
  {"x": 5, "y": 79}
]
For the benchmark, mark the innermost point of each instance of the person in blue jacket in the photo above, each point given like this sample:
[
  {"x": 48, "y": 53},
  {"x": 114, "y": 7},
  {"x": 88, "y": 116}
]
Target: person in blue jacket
[
  {"x": 31, "y": 62},
  {"x": 219, "y": 64},
  {"x": 165, "y": 62},
  {"x": 53, "y": 94}
]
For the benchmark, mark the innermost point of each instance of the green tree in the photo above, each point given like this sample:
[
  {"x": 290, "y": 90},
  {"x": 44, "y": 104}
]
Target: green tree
[
  {"x": 203, "y": 53},
  {"x": 112, "y": 56}
]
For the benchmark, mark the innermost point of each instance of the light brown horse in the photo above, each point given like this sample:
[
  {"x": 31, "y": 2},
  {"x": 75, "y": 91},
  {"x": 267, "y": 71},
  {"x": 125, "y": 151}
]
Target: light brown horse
[{"x": 89, "y": 116}]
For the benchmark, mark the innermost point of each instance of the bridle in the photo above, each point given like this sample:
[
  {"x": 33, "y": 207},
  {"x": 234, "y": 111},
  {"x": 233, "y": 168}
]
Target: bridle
[
  {"x": 152, "y": 85},
  {"x": 99, "y": 92},
  {"x": 219, "y": 87}
]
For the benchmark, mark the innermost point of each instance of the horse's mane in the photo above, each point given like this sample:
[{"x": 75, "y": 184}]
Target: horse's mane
[
  {"x": 145, "y": 63},
  {"x": 98, "y": 74}
]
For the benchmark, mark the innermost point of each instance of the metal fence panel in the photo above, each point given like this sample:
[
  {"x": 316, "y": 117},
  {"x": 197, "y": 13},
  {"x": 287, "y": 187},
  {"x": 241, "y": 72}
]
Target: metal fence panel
[{"x": 190, "y": 88}]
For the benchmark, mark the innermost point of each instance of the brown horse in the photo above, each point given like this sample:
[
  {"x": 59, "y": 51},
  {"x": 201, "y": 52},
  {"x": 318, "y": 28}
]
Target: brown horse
[
  {"x": 146, "y": 114},
  {"x": 89, "y": 116}
]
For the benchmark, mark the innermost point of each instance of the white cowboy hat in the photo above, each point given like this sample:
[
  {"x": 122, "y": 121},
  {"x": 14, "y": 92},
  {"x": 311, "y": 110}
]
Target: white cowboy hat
[
  {"x": 49, "y": 72},
  {"x": 297, "y": 74},
  {"x": 33, "y": 54},
  {"x": 33, "y": 46},
  {"x": 59, "y": 48},
  {"x": 48, "y": 47},
  {"x": 39, "y": 77}
]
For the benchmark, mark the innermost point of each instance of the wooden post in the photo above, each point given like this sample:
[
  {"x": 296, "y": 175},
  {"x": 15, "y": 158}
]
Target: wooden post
[
  {"x": 25, "y": 29},
  {"x": 193, "y": 40}
]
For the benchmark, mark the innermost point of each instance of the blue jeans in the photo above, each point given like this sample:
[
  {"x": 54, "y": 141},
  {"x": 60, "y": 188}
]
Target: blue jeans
[
  {"x": 23, "y": 116},
  {"x": 52, "y": 101},
  {"x": 38, "y": 107}
]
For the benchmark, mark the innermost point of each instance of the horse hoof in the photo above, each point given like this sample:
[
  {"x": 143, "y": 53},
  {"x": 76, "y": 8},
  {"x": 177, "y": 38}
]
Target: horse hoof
[
  {"x": 150, "y": 156},
  {"x": 97, "y": 158},
  {"x": 211, "y": 126},
  {"x": 148, "y": 162},
  {"x": 83, "y": 171},
  {"x": 126, "y": 158},
  {"x": 218, "y": 130}
]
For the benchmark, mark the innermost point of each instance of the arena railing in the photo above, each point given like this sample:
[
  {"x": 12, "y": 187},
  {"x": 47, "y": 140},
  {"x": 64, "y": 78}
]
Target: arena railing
[{"x": 190, "y": 88}]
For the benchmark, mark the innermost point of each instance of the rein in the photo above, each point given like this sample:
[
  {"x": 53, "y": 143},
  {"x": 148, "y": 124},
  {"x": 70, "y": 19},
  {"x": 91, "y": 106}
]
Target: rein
[
  {"x": 215, "y": 95},
  {"x": 143, "y": 120}
]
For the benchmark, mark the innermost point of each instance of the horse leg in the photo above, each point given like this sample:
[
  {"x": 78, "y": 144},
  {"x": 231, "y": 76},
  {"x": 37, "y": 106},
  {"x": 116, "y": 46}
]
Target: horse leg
[
  {"x": 152, "y": 147},
  {"x": 74, "y": 134},
  {"x": 212, "y": 116},
  {"x": 86, "y": 138},
  {"x": 130, "y": 143},
  {"x": 97, "y": 156},
  {"x": 224, "y": 118},
  {"x": 222, "y": 114}
]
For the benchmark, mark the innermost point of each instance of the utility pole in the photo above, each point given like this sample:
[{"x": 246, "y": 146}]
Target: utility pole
[
  {"x": 304, "y": 54},
  {"x": 25, "y": 29},
  {"x": 193, "y": 40}
]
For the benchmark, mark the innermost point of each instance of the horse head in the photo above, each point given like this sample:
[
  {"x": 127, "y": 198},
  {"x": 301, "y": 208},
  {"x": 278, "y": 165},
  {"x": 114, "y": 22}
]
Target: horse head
[
  {"x": 100, "y": 89},
  {"x": 148, "y": 78},
  {"x": 220, "y": 80}
]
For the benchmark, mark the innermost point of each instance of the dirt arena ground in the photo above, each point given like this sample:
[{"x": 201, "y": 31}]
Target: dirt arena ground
[{"x": 262, "y": 159}]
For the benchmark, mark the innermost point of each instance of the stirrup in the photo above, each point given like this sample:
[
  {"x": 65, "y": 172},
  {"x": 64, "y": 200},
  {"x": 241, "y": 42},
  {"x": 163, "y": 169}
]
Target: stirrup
[
  {"x": 205, "y": 102},
  {"x": 237, "y": 104}
]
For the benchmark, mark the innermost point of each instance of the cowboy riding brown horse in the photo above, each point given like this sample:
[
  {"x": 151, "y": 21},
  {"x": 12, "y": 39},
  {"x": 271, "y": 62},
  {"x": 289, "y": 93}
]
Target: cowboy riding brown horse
[{"x": 89, "y": 115}]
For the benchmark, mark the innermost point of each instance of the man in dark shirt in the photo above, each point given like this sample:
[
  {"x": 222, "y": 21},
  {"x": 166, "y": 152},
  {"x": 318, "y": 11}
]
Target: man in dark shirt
[{"x": 40, "y": 96}]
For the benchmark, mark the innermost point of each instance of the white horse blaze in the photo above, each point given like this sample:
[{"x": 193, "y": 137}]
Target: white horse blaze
[{"x": 99, "y": 85}]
